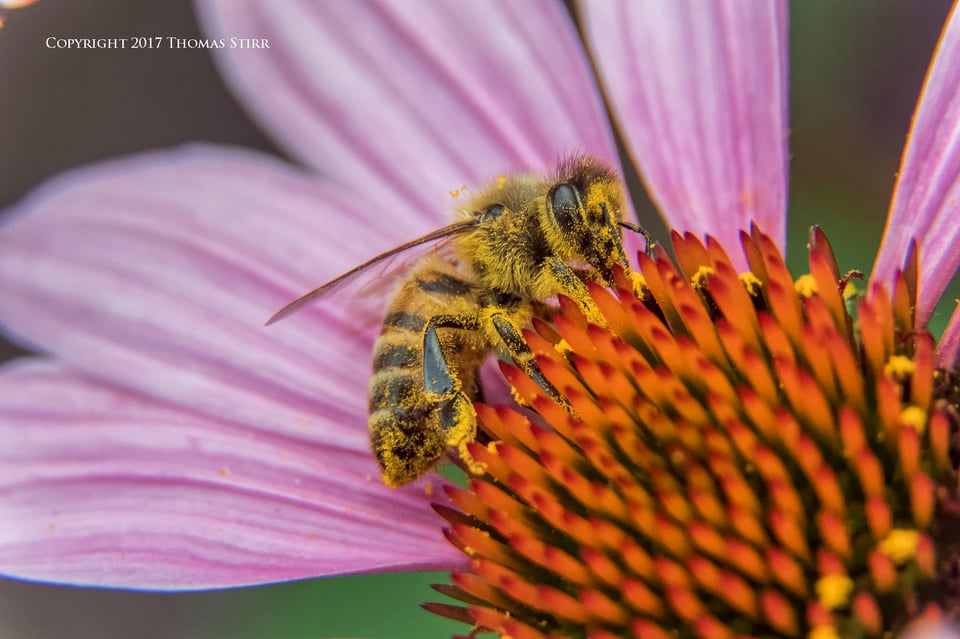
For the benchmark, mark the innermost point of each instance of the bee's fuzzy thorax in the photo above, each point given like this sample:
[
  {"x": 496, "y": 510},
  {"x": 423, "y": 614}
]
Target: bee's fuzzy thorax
[{"x": 743, "y": 457}]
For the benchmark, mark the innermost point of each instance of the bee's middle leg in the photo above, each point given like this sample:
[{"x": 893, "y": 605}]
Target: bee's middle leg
[{"x": 512, "y": 338}]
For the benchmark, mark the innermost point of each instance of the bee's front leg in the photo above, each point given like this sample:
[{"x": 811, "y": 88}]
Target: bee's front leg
[{"x": 570, "y": 284}]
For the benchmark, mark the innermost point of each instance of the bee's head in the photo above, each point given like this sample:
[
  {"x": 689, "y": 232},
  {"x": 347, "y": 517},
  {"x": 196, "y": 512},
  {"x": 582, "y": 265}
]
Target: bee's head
[{"x": 584, "y": 212}]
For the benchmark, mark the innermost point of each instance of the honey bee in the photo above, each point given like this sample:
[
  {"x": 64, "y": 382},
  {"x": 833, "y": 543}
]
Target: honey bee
[{"x": 515, "y": 245}]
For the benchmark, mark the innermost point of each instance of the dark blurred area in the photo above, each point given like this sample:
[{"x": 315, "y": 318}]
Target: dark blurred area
[
  {"x": 856, "y": 73},
  {"x": 856, "y": 70}
]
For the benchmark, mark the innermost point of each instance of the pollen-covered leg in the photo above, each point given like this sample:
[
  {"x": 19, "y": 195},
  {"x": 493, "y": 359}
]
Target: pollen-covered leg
[
  {"x": 521, "y": 354},
  {"x": 569, "y": 284},
  {"x": 403, "y": 446},
  {"x": 456, "y": 414}
]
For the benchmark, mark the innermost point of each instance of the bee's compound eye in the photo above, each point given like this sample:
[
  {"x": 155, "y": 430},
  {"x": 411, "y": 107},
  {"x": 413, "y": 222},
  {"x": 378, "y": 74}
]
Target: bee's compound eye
[
  {"x": 565, "y": 206},
  {"x": 491, "y": 213}
]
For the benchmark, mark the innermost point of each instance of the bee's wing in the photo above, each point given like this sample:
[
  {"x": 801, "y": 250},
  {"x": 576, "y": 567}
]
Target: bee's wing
[{"x": 382, "y": 260}]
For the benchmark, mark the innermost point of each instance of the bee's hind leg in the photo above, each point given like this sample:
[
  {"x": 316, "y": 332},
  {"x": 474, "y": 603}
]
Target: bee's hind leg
[
  {"x": 481, "y": 397},
  {"x": 444, "y": 390}
]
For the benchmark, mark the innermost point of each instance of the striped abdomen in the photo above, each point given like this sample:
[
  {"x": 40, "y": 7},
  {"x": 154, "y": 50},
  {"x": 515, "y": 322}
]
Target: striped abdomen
[{"x": 408, "y": 430}]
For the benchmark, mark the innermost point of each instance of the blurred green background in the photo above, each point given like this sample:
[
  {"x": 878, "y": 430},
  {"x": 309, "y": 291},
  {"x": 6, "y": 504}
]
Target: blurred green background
[{"x": 856, "y": 70}]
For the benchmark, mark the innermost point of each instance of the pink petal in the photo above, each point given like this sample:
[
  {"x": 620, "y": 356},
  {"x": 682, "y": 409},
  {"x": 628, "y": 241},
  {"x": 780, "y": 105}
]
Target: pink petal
[
  {"x": 948, "y": 348},
  {"x": 925, "y": 629},
  {"x": 100, "y": 486},
  {"x": 926, "y": 201},
  {"x": 415, "y": 99},
  {"x": 700, "y": 90},
  {"x": 157, "y": 272}
]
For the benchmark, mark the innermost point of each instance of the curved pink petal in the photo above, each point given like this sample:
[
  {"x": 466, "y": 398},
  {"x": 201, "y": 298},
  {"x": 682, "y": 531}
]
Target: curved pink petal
[
  {"x": 100, "y": 486},
  {"x": 415, "y": 98},
  {"x": 700, "y": 92},
  {"x": 926, "y": 201},
  {"x": 157, "y": 273},
  {"x": 926, "y": 629},
  {"x": 948, "y": 348}
]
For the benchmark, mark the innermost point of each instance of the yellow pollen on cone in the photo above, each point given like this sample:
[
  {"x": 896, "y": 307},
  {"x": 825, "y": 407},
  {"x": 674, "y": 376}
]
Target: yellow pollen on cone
[
  {"x": 806, "y": 285},
  {"x": 899, "y": 367},
  {"x": 751, "y": 283},
  {"x": 563, "y": 347},
  {"x": 900, "y": 545},
  {"x": 823, "y": 632},
  {"x": 518, "y": 397},
  {"x": 915, "y": 417},
  {"x": 833, "y": 591},
  {"x": 699, "y": 278},
  {"x": 639, "y": 285}
]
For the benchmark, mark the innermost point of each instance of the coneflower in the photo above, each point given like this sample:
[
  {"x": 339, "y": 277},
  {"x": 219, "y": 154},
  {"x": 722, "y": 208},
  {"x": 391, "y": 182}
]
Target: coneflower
[{"x": 748, "y": 455}]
